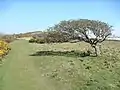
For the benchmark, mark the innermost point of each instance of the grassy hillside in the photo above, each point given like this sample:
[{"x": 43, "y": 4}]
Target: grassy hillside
[{"x": 49, "y": 70}]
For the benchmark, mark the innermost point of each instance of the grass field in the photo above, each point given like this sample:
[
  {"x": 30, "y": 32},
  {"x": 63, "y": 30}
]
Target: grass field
[{"x": 21, "y": 70}]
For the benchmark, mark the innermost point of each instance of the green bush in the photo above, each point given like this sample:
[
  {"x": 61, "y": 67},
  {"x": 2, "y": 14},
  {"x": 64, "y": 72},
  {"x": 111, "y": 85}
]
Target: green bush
[
  {"x": 41, "y": 41},
  {"x": 32, "y": 40}
]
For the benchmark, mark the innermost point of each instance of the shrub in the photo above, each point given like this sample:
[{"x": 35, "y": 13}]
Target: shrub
[
  {"x": 8, "y": 38},
  {"x": 41, "y": 40},
  {"x": 4, "y": 48},
  {"x": 50, "y": 37},
  {"x": 32, "y": 40}
]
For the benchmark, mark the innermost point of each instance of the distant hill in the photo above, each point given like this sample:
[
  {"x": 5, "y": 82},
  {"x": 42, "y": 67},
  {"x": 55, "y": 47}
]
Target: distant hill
[{"x": 27, "y": 34}]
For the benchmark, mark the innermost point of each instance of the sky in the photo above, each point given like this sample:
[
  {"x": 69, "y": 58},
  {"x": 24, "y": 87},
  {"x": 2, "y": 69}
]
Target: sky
[{"x": 19, "y": 16}]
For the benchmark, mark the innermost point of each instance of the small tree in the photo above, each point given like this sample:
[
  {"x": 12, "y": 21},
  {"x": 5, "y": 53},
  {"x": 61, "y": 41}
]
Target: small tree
[{"x": 90, "y": 31}]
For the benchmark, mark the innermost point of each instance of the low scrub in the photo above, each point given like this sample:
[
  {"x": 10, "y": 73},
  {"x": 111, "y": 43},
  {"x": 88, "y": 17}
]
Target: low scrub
[
  {"x": 62, "y": 53},
  {"x": 41, "y": 40},
  {"x": 8, "y": 38},
  {"x": 4, "y": 48},
  {"x": 32, "y": 40}
]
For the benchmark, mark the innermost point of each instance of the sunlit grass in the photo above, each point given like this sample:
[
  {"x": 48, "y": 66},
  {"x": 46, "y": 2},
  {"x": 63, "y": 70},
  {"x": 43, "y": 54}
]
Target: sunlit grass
[{"x": 21, "y": 71}]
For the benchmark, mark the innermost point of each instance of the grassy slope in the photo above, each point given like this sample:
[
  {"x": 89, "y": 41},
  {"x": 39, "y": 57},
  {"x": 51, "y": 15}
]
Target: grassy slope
[
  {"x": 88, "y": 73},
  {"x": 23, "y": 72}
]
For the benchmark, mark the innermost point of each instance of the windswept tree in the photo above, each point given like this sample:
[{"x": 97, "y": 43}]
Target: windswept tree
[{"x": 90, "y": 31}]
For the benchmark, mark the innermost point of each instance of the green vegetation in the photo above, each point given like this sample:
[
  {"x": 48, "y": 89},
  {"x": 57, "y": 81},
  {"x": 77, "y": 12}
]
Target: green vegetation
[
  {"x": 50, "y": 36},
  {"x": 4, "y": 49},
  {"x": 65, "y": 59},
  {"x": 58, "y": 67},
  {"x": 8, "y": 38},
  {"x": 92, "y": 32}
]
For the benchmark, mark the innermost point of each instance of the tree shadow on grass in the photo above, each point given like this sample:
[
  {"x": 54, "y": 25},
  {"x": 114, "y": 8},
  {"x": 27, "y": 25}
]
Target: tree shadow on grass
[{"x": 61, "y": 53}]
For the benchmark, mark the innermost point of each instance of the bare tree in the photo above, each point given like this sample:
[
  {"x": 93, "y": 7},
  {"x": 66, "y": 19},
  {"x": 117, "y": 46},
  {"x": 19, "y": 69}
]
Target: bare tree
[{"x": 90, "y": 31}]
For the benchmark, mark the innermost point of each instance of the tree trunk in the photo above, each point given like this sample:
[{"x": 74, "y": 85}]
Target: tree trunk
[
  {"x": 100, "y": 48},
  {"x": 96, "y": 50}
]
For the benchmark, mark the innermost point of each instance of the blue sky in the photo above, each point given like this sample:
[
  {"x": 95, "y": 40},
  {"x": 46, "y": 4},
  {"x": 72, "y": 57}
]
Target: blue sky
[{"x": 17, "y": 16}]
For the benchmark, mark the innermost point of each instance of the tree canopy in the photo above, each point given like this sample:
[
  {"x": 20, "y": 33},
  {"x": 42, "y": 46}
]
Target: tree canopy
[{"x": 90, "y": 31}]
